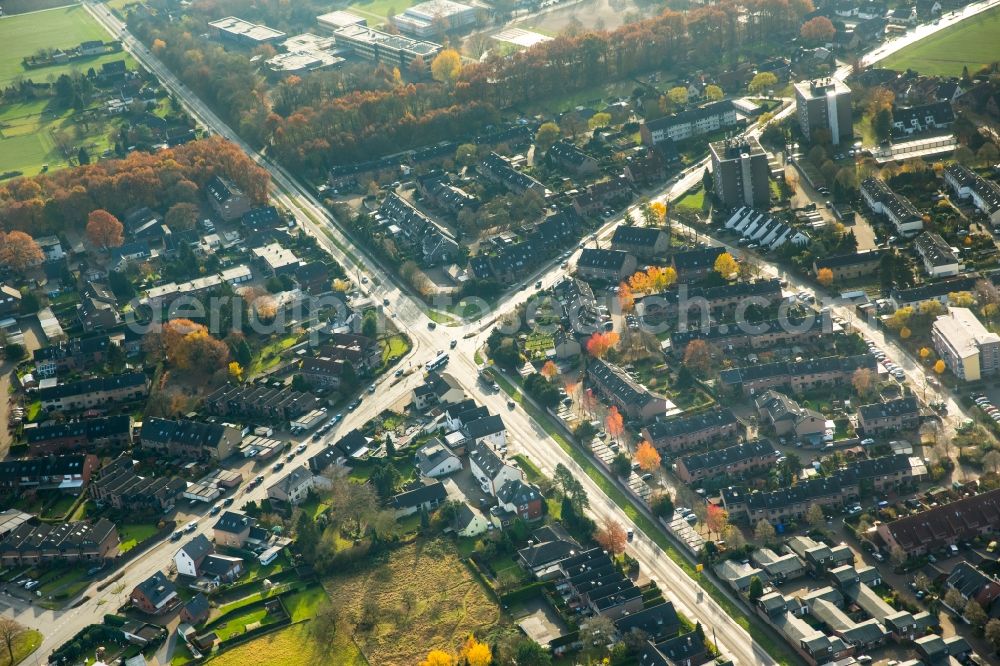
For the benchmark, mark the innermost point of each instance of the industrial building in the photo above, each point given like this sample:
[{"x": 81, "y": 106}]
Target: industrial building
[
  {"x": 431, "y": 18},
  {"x": 244, "y": 32},
  {"x": 378, "y": 46}
]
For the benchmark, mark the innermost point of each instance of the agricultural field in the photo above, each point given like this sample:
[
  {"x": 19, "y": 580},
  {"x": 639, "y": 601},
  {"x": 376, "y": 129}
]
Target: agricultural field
[
  {"x": 412, "y": 615},
  {"x": 972, "y": 43},
  {"x": 64, "y": 27},
  {"x": 294, "y": 646}
]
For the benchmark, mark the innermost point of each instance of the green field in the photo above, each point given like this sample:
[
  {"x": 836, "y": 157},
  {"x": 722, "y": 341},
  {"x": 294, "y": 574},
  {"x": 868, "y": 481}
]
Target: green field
[
  {"x": 378, "y": 9},
  {"x": 63, "y": 28},
  {"x": 974, "y": 42}
]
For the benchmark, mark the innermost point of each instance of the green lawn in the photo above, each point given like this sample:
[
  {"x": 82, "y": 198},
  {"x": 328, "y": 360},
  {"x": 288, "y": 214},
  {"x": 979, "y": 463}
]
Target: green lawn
[
  {"x": 393, "y": 347},
  {"x": 302, "y": 605},
  {"x": 132, "y": 534},
  {"x": 64, "y": 28},
  {"x": 25, "y": 644},
  {"x": 973, "y": 42},
  {"x": 693, "y": 202},
  {"x": 378, "y": 9}
]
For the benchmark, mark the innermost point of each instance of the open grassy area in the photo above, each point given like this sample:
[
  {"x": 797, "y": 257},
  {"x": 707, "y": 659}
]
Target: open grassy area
[
  {"x": 25, "y": 644},
  {"x": 132, "y": 534},
  {"x": 376, "y": 10},
  {"x": 293, "y": 646},
  {"x": 693, "y": 202},
  {"x": 63, "y": 28},
  {"x": 437, "y": 609},
  {"x": 973, "y": 43},
  {"x": 302, "y": 605},
  {"x": 393, "y": 347}
]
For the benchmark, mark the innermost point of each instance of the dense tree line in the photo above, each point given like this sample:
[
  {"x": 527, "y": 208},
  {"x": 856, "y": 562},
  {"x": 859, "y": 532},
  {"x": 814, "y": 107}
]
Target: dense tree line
[
  {"x": 51, "y": 202},
  {"x": 329, "y": 118}
]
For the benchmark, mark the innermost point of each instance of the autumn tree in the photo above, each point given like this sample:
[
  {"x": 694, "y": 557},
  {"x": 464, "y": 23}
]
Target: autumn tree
[
  {"x": 653, "y": 280},
  {"x": 863, "y": 381},
  {"x": 954, "y": 600},
  {"x": 614, "y": 422},
  {"x": 698, "y": 358},
  {"x": 726, "y": 266},
  {"x": 447, "y": 66},
  {"x": 761, "y": 82},
  {"x": 10, "y": 634},
  {"x": 818, "y": 30},
  {"x": 181, "y": 216},
  {"x": 19, "y": 251},
  {"x": 939, "y": 366},
  {"x": 104, "y": 230},
  {"x": 550, "y": 370},
  {"x": 824, "y": 276},
  {"x": 612, "y": 537},
  {"x": 600, "y": 343},
  {"x": 714, "y": 93},
  {"x": 188, "y": 346},
  {"x": 626, "y": 301},
  {"x": 814, "y": 516},
  {"x": 438, "y": 658},
  {"x": 647, "y": 456},
  {"x": 547, "y": 134},
  {"x": 975, "y": 614},
  {"x": 716, "y": 519},
  {"x": 602, "y": 119},
  {"x": 992, "y": 632},
  {"x": 764, "y": 532},
  {"x": 235, "y": 372},
  {"x": 475, "y": 653}
]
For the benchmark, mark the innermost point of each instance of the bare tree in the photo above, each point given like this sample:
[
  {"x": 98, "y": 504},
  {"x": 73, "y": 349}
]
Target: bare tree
[{"x": 10, "y": 631}]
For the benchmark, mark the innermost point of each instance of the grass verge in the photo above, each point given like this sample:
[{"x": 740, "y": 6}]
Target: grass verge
[{"x": 24, "y": 646}]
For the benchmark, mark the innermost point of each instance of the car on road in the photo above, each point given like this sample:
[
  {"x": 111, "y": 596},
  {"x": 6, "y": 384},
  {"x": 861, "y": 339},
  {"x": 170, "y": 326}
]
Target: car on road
[
  {"x": 290, "y": 457},
  {"x": 176, "y": 536},
  {"x": 316, "y": 436},
  {"x": 191, "y": 526},
  {"x": 511, "y": 404},
  {"x": 278, "y": 466},
  {"x": 371, "y": 389},
  {"x": 431, "y": 325},
  {"x": 259, "y": 479},
  {"x": 453, "y": 344},
  {"x": 354, "y": 404},
  {"x": 215, "y": 510},
  {"x": 398, "y": 373},
  {"x": 227, "y": 502},
  {"x": 300, "y": 448}
]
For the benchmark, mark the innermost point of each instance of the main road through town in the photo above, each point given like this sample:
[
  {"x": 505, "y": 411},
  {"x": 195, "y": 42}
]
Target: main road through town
[{"x": 410, "y": 316}]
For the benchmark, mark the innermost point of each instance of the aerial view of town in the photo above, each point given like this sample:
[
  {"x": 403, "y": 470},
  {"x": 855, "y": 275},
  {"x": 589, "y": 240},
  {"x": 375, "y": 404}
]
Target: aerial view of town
[{"x": 500, "y": 332}]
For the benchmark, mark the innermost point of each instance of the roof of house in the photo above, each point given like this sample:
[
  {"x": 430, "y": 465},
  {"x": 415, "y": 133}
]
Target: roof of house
[
  {"x": 484, "y": 427},
  {"x": 189, "y": 433},
  {"x": 933, "y": 290},
  {"x": 692, "y": 115},
  {"x": 96, "y": 385},
  {"x": 197, "y": 605},
  {"x": 899, "y": 205},
  {"x": 656, "y": 620},
  {"x": 487, "y": 460},
  {"x": 842, "y": 260},
  {"x": 617, "y": 382},
  {"x": 941, "y": 113},
  {"x": 600, "y": 259},
  {"x": 963, "y": 331},
  {"x": 632, "y": 235},
  {"x": 948, "y": 519},
  {"x": 49, "y": 466},
  {"x": 156, "y": 588},
  {"x": 684, "y": 425},
  {"x": 729, "y": 455},
  {"x": 222, "y": 189},
  {"x": 881, "y": 410},
  {"x": 431, "y": 455},
  {"x": 90, "y": 429},
  {"x": 935, "y": 250},
  {"x": 700, "y": 258},
  {"x": 518, "y": 492},
  {"x": 566, "y": 151},
  {"x": 296, "y": 478},
  {"x": 233, "y": 522},
  {"x": 430, "y": 491},
  {"x": 198, "y": 547},
  {"x": 822, "y": 365}
]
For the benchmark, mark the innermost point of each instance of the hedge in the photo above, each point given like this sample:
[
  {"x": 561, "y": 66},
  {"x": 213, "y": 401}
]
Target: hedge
[
  {"x": 253, "y": 633},
  {"x": 529, "y": 591}
]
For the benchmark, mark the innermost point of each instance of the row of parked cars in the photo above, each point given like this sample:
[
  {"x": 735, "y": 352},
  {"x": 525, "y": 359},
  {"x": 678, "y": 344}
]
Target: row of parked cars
[
  {"x": 880, "y": 356},
  {"x": 987, "y": 406}
]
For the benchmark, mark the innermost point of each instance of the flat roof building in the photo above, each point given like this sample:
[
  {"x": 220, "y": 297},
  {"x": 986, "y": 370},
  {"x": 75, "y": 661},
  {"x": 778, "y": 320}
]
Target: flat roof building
[
  {"x": 741, "y": 173},
  {"x": 434, "y": 17},
  {"x": 824, "y": 105},
  {"x": 339, "y": 19},
  {"x": 378, "y": 46},
  {"x": 243, "y": 32},
  {"x": 968, "y": 349},
  {"x": 305, "y": 53}
]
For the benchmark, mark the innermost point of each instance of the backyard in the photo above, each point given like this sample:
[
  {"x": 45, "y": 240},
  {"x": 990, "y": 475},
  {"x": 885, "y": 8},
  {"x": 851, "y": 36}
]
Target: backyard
[
  {"x": 411, "y": 615},
  {"x": 971, "y": 43},
  {"x": 293, "y": 646},
  {"x": 132, "y": 534}
]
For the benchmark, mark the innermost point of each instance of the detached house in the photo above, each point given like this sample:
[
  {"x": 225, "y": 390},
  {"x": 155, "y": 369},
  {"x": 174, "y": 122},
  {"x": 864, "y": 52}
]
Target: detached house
[
  {"x": 788, "y": 418},
  {"x": 437, "y": 390},
  {"x": 155, "y": 595},
  {"x": 519, "y": 499},
  {"x": 293, "y": 488},
  {"x": 233, "y": 529},
  {"x": 426, "y": 497},
  {"x": 189, "y": 557},
  {"x": 435, "y": 459},
  {"x": 490, "y": 470}
]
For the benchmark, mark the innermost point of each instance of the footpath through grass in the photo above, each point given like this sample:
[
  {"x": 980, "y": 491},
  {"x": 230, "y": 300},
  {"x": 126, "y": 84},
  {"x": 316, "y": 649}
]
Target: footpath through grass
[
  {"x": 778, "y": 650},
  {"x": 975, "y": 43}
]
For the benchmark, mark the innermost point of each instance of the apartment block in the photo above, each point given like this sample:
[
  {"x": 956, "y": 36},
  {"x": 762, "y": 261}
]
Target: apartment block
[
  {"x": 741, "y": 173},
  {"x": 824, "y": 105},
  {"x": 968, "y": 349}
]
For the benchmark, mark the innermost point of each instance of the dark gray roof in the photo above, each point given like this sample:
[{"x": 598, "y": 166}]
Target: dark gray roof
[
  {"x": 91, "y": 429},
  {"x": 898, "y": 407},
  {"x": 602, "y": 259},
  {"x": 198, "y": 547},
  {"x": 156, "y": 588},
  {"x": 841, "y": 260},
  {"x": 428, "y": 492},
  {"x": 713, "y": 418},
  {"x": 483, "y": 427},
  {"x": 233, "y": 522},
  {"x": 728, "y": 455},
  {"x": 97, "y": 385}
]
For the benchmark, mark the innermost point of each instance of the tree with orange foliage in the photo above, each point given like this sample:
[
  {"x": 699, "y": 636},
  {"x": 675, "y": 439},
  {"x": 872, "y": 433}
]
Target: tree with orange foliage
[
  {"x": 824, "y": 276},
  {"x": 104, "y": 230},
  {"x": 662, "y": 278},
  {"x": 725, "y": 265},
  {"x": 19, "y": 251},
  {"x": 716, "y": 519},
  {"x": 626, "y": 301},
  {"x": 589, "y": 401},
  {"x": 612, "y": 537},
  {"x": 188, "y": 346},
  {"x": 698, "y": 358},
  {"x": 614, "y": 422},
  {"x": 549, "y": 370},
  {"x": 818, "y": 30},
  {"x": 647, "y": 456},
  {"x": 600, "y": 343}
]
